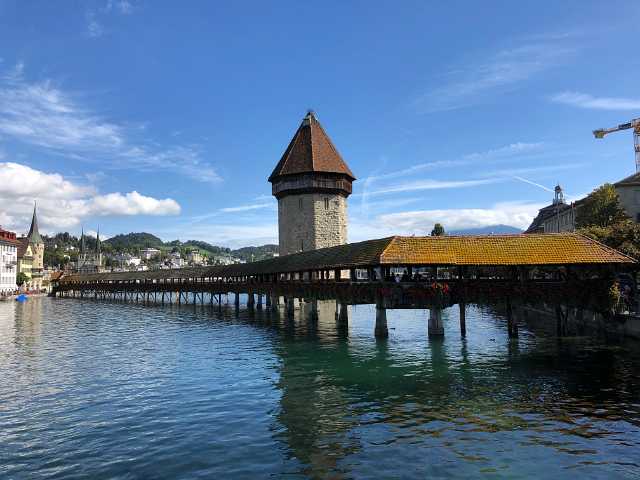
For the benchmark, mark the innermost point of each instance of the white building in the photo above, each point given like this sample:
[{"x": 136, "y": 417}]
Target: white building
[
  {"x": 195, "y": 257},
  {"x": 149, "y": 253},
  {"x": 8, "y": 261}
]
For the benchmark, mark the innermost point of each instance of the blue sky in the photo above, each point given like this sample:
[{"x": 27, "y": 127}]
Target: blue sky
[{"x": 168, "y": 117}]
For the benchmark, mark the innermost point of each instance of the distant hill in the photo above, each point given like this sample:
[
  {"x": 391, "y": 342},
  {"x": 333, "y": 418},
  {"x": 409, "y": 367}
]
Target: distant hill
[
  {"x": 254, "y": 254},
  {"x": 491, "y": 229},
  {"x": 134, "y": 241},
  {"x": 63, "y": 247}
]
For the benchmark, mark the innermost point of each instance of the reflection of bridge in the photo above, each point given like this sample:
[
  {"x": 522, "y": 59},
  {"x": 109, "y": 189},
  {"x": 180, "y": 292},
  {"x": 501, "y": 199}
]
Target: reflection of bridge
[{"x": 561, "y": 269}]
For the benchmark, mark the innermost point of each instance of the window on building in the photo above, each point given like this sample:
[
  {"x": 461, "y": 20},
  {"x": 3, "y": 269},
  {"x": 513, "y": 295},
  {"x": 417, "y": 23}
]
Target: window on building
[
  {"x": 302, "y": 245},
  {"x": 300, "y": 203},
  {"x": 326, "y": 203}
]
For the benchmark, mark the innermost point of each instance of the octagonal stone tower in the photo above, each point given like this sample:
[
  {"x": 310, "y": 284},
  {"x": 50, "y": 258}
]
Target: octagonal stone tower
[{"x": 312, "y": 183}]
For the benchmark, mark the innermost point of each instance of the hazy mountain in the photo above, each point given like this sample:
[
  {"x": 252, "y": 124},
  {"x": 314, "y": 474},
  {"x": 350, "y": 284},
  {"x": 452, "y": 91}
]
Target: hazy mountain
[{"x": 491, "y": 229}]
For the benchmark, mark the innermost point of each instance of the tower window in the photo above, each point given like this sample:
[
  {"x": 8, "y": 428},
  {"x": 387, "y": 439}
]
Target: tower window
[
  {"x": 300, "y": 203},
  {"x": 326, "y": 203},
  {"x": 302, "y": 245}
]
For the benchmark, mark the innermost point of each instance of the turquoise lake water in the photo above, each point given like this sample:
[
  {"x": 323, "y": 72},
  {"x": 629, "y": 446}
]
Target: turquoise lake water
[{"x": 124, "y": 391}]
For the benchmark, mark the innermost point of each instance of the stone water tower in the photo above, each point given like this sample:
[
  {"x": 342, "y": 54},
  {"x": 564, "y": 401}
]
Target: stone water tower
[{"x": 312, "y": 183}]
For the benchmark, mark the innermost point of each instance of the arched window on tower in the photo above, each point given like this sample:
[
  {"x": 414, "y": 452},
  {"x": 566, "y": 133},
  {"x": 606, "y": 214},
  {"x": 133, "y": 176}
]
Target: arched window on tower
[
  {"x": 326, "y": 203},
  {"x": 300, "y": 203}
]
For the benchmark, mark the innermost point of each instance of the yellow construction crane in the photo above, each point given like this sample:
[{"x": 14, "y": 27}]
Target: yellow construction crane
[{"x": 635, "y": 124}]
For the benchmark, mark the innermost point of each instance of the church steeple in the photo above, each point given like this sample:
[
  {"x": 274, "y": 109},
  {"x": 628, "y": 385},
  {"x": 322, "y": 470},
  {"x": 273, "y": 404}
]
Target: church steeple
[
  {"x": 98, "y": 242},
  {"x": 82, "y": 241},
  {"x": 34, "y": 234}
]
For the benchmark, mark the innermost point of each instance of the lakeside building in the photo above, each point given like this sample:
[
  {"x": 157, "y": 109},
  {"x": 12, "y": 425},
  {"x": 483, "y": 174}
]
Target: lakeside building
[
  {"x": 8, "y": 261},
  {"x": 31, "y": 255},
  {"x": 628, "y": 190},
  {"x": 149, "y": 253},
  {"x": 311, "y": 183},
  {"x": 194, "y": 257},
  {"x": 561, "y": 216},
  {"x": 89, "y": 261},
  {"x": 555, "y": 218}
]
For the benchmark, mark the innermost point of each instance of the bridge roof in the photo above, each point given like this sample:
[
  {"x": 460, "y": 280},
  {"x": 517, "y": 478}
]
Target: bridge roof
[{"x": 486, "y": 250}]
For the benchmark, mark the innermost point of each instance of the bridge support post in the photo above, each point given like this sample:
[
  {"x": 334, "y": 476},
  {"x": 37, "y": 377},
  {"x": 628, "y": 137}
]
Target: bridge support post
[
  {"x": 259, "y": 301},
  {"x": 381, "y": 330},
  {"x": 267, "y": 300},
  {"x": 463, "y": 319},
  {"x": 436, "y": 327},
  {"x": 250, "y": 301}
]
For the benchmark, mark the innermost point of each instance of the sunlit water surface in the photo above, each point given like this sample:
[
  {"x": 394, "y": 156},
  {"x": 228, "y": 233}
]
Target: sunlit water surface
[{"x": 111, "y": 390}]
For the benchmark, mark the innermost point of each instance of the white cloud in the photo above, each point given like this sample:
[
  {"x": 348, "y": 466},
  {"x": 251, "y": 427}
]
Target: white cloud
[
  {"x": 63, "y": 204},
  {"x": 583, "y": 100},
  {"x": 132, "y": 204},
  {"x": 420, "y": 222},
  {"x": 43, "y": 115},
  {"x": 500, "y": 71}
]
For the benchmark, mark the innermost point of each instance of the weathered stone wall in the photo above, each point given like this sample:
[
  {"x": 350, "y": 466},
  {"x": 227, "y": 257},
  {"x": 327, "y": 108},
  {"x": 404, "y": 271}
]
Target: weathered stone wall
[{"x": 307, "y": 222}]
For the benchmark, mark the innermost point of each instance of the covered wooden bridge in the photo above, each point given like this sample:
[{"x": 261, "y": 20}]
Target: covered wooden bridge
[{"x": 395, "y": 272}]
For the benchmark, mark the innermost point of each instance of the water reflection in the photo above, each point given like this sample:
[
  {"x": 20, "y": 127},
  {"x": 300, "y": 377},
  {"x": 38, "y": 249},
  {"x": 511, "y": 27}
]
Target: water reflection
[{"x": 216, "y": 391}]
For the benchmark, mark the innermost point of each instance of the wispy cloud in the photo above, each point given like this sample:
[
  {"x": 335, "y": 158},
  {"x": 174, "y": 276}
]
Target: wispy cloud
[
  {"x": 43, "y": 115},
  {"x": 63, "y": 203},
  {"x": 512, "y": 150},
  {"x": 583, "y": 100},
  {"x": 530, "y": 182},
  {"x": 246, "y": 208},
  {"x": 496, "y": 72},
  {"x": 431, "y": 184},
  {"x": 95, "y": 17}
]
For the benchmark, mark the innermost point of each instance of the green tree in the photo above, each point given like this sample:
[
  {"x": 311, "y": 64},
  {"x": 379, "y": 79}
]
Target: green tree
[
  {"x": 601, "y": 208},
  {"x": 438, "y": 230},
  {"x": 623, "y": 236},
  {"x": 21, "y": 278}
]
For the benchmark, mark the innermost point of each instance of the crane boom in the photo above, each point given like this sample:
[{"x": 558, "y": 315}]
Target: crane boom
[{"x": 635, "y": 125}]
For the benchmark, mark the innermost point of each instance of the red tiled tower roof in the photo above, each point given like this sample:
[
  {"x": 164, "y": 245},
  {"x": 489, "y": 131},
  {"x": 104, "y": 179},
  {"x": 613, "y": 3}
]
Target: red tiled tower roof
[{"x": 311, "y": 151}]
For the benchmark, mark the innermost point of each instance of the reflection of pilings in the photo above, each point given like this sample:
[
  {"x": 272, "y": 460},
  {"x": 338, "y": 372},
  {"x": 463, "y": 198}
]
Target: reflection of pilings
[
  {"x": 512, "y": 324},
  {"x": 313, "y": 312},
  {"x": 342, "y": 313},
  {"x": 290, "y": 305},
  {"x": 381, "y": 330},
  {"x": 436, "y": 327},
  {"x": 463, "y": 319}
]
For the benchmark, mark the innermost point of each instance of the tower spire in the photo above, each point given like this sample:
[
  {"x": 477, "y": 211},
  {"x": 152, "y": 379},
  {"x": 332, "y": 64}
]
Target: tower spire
[
  {"x": 82, "y": 240},
  {"x": 98, "y": 242},
  {"x": 34, "y": 234}
]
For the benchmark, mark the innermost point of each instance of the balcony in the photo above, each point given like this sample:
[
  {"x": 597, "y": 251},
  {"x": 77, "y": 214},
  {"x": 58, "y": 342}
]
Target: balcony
[{"x": 311, "y": 183}]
